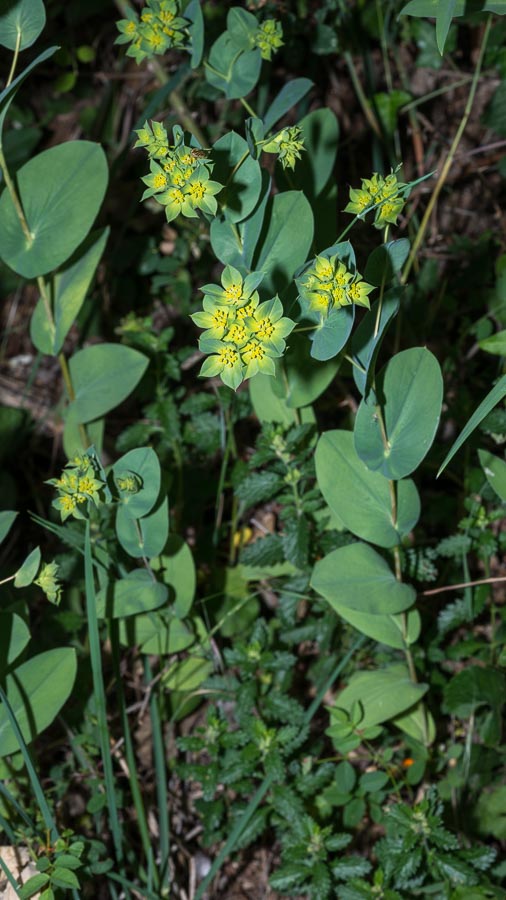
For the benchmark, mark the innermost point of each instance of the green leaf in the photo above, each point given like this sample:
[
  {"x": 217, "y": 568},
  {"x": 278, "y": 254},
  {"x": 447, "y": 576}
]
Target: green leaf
[
  {"x": 389, "y": 630},
  {"x": 365, "y": 346},
  {"x": 136, "y": 593},
  {"x": 411, "y": 391},
  {"x": 242, "y": 27},
  {"x": 21, "y": 23},
  {"x": 431, "y": 8},
  {"x": 68, "y": 861},
  {"x": 385, "y": 261},
  {"x": 271, "y": 406},
  {"x": 193, "y": 14},
  {"x": 474, "y": 687},
  {"x": 361, "y": 498},
  {"x": 7, "y": 517},
  {"x": 37, "y": 690},
  {"x": 231, "y": 70},
  {"x": 387, "y": 106},
  {"x": 64, "y": 878},
  {"x": 331, "y": 335},
  {"x": 359, "y": 578},
  {"x": 418, "y": 723},
  {"x": 492, "y": 399},
  {"x": 320, "y": 130},
  {"x": 103, "y": 375},
  {"x": 187, "y": 675},
  {"x": 240, "y": 194},
  {"x": 27, "y": 572},
  {"x": 496, "y": 343},
  {"x": 68, "y": 289},
  {"x": 495, "y": 472},
  {"x": 288, "y": 96},
  {"x": 9, "y": 92},
  {"x": 445, "y": 12},
  {"x": 61, "y": 191},
  {"x": 301, "y": 378},
  {"x": 145, "y": 537},
  {"x": 157, "y": 633},
  {"x": 144, "y": 463},
  {"x": 14, "y": 636},
  {"x": 284, "y": 245},
  {"x": 382, "y": 694},
  {"x": 177, "y": 569},
  {"x": 33, "y": 886}
]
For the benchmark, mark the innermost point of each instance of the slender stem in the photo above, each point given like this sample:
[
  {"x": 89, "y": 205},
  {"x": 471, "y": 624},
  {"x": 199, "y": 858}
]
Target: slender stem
[
  {"x": 10, "y": 578},
  {"x": 356, "y": 364},
  {"x": 443, "y": 90},
  {"x": 382, "y": 288},
  {"x": 362, "y": 99},
  {"x": 161, "y": 780},
  {"x": 14, "y": 59},
  {"x": 129, "y": 751},
  {"x": 99, "y": 692},
  {"x": 449, "y": 159},
  {"x": 15, "y": 199},
  {"x": 249, "y": 109}
]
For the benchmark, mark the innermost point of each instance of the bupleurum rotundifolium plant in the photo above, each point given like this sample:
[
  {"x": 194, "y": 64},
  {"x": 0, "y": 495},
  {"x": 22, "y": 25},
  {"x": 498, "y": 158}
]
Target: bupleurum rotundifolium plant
[
  {"x": 242, "y": 335},
  {"x": 159, "y": 27},
  {"x": 328, "y": 284},
  {"x": 385, "y": 196},
  {"x": 180, "y": 175}
]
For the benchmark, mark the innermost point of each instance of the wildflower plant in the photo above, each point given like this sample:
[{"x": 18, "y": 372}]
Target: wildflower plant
[
  {"x": 159, "y": 27},
  {"x": 268, "y": 38},
  {"x": 242, "y": 336},
  {"x": 82, "y": 482},
  {"x": 385, "y": 196},
  {"x": 287, "y": 144},
  {"x": 328, "y": 284},
  {"x": 180, "y": 175}
]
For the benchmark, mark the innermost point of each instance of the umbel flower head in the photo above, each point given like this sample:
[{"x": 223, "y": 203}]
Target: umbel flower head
[
  {"x": 81, "y": 482},
  {"x": 180, "y": 175},
  {"x": 269, "y": 38},
  {"x": 327, "y": 284},
  {"x": 287, "y": 144},
  {"x": 242, "y": 336},
  {"x": 384, "y": 195},
  {"x": 48, "y": 582},
  {"x": 159, "y": 27}
]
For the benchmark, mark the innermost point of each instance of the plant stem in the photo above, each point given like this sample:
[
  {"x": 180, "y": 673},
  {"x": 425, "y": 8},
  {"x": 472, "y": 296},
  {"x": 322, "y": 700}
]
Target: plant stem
[
  {"x": 251, "y": 111},
  {"x": 10, "y": 578},
  {"x": 382, "y": 288},
  {"x": 449, "y": 159},
  {"x": 362, "y": 99},
  {"x": 161, "y": 780},
  {"x": 14, "y": 59},
  {"x": 9, "y": 184},
  {"x": 99, "y": 693}
]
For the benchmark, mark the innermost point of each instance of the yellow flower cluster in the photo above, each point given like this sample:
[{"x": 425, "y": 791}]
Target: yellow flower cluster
[
  {"x": 327, "y": 284},
  {"x": 385, "y": 195}
]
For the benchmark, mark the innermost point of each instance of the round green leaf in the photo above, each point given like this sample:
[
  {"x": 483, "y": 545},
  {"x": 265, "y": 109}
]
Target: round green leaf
[
  {"x": 303, "y": 379},
  {"x": 157, "y": 633},
  {"x": 27, "y": 572},
  {"x": 21, "y": 23},
  {"x": 7, "y": 517},
  {"x": 136, "y": 593},
  {"x": 410, "y": 389},
  {"x": 177, "y": 569},
  {"x": 146, "y": 536},
  {"x": 144, "y": 463},
  {"x": 386, "y": 630},
  {"x": 287, "y": 240},
  {"x": 37, "y": 691},
  {"x": 495, "y": 472},
  {"x": 359, "y": 578},
  {"x": 14, "y": 636},
  {"x": 61, "y": 191},
  {"x": 359, "y": 497},
  {"x": 103, "y": 375},
  {"x": 331, "y": 335},
  {"x": 382, "y": 694},
  {"x": 240, "y": 194}
]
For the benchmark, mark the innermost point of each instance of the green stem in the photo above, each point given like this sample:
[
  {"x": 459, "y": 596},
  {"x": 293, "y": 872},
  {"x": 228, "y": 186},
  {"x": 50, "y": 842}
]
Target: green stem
[
  {"x": 161, "y": 780},
  {"x": 10, "y": 578},
  {"x": 248, "y": 108},
  {"x": 356, "y": 364},
  {"x": 14, "y": 59},
  {"x": 178, "y": 104},
  {"x": 129, "y": 751},
  {"x": 99, "y": 692},
  {"x": 9, "y": 184},
  {"x": 449, "y": 159},
  {"x": 362, "y": 99},
  {"x": 382, "y": 288}
]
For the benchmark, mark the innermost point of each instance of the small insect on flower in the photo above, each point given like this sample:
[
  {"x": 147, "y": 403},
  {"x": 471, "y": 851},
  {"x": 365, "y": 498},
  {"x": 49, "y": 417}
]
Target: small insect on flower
[{"x": 199, "y": 154}]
